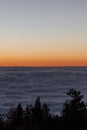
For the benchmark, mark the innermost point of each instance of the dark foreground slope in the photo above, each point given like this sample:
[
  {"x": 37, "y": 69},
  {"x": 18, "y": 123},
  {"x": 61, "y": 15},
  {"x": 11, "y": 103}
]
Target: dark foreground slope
[{"x": 38, "y": 117}]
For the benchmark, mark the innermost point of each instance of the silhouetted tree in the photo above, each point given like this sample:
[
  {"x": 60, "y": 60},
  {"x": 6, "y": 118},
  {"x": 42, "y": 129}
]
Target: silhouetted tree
[
  {"x": 15, "y": 117},
  {"x": 45, "y": 116},
  {"x": 28, "y": 114},
  {"x": 19, "y": 114},
  {"x": 73, "y": 110},
  {"x": 75, "y": 104},
  {"x": 37, "y": 112},
  {"x": 45, "y": 110},
  {"x": 2, "y": 124}
]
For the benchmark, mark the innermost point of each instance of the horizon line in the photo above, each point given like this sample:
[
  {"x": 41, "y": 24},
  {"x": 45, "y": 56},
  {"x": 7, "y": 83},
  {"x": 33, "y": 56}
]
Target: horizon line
[{"x": 43, "y": 66}]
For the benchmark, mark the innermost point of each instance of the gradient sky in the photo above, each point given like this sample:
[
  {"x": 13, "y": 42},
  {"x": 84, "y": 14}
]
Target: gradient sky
[{"x": 43, "y": 32}]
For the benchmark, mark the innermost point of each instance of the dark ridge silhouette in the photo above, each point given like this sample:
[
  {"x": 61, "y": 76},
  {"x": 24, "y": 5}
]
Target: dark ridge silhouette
[{"x": 38, "y": 117}]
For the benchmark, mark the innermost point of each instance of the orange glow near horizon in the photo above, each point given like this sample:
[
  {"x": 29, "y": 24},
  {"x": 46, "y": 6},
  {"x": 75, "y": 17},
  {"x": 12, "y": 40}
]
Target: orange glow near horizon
[
  {"x": 39, "y": 33},
  {"x": 43, "y": 61}
]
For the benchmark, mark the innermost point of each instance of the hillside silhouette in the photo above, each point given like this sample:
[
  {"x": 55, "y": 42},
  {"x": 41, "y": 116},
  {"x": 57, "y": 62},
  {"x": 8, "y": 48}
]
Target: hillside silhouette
[{"x": 38, "y": 117}]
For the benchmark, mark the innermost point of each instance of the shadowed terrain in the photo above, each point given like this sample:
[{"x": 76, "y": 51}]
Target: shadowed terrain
[{"x": 38, "y": 117}]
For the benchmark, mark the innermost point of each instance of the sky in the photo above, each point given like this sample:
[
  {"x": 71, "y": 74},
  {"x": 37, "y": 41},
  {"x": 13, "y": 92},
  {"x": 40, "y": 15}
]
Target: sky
[{"x": 43, "y": 32}]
